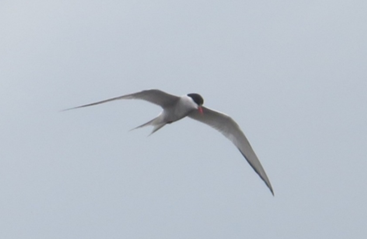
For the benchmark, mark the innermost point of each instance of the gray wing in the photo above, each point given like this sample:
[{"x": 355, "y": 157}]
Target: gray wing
[
  {"x": 157, "y": 97},
  {"x": 230, "y": 129}
]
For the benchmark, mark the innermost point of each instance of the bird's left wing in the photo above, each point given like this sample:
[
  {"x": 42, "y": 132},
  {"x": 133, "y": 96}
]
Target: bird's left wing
[
  {"x": 230, "y": 129},
  {"x": 157, "y": 97}
]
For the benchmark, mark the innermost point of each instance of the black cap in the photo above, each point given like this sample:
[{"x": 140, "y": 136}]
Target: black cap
[{"x": 196, "y": 98}]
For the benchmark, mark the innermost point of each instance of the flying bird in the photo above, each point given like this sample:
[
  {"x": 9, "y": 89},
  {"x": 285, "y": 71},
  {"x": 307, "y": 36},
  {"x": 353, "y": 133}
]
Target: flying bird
[{"x": 191, "y": 105}]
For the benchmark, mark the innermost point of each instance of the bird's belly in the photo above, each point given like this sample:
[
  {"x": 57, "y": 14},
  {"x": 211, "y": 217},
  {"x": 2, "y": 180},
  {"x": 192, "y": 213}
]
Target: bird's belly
[{"x": 173, "y": 115}]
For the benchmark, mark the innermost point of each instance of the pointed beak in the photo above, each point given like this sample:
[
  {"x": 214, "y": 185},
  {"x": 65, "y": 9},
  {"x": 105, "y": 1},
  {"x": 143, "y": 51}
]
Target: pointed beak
[{"x": 200, "y": 109}]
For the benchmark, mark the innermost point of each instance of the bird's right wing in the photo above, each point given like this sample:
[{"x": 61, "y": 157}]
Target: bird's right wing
[
  {"x": 157, "y": 97},
  {"x": 230, "y": 129}
]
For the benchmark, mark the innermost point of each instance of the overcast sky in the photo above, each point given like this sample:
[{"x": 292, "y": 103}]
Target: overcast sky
[{"x": 291, "y": 73}]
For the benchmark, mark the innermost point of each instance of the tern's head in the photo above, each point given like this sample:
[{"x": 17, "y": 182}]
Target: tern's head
[{"x": 198, "y": 100}]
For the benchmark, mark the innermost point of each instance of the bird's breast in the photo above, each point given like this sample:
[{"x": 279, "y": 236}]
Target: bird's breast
[{"x": 178, "y": 111}]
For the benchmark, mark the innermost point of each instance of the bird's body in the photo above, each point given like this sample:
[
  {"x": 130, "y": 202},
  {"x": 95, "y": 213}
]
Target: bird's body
[
  {"x": 178, "y": 107},
  {"x": 183, "y": 106}
]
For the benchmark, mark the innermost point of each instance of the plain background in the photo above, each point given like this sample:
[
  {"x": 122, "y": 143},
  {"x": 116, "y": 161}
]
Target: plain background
[{"x": 291, "y": 73}]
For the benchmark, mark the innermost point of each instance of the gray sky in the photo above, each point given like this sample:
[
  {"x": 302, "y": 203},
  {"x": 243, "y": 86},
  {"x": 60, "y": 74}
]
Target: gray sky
[{"x": 291, "y": 73}]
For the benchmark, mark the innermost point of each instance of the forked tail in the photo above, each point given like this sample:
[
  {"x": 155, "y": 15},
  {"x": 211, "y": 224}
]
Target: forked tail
[{"x": 156, "y": 123}]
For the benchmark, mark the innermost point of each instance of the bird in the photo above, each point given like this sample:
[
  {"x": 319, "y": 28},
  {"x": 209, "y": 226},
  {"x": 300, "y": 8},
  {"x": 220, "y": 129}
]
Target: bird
[{"x": 191, "y": 105}]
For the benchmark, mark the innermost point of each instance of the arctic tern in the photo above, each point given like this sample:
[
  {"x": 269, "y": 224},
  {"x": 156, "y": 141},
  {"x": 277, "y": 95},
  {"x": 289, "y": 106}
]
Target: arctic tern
[{"x": 191, "y": 105}]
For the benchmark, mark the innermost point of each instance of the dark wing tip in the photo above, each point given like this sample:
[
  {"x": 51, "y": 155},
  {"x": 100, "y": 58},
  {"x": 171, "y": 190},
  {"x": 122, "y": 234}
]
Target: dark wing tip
[
  {"x": 258, "y": 173},
  {"x": 99, "y": 102},
  {"x": 272, "y": 192},
  {"x": 68, "y": 109},
  {"x": 73, "y": 108}
]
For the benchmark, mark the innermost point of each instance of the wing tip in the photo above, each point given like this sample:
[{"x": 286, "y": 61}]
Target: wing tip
[
  {"x": 268, "y": 185},
  {"x": 272, "y": 191},
  {"x": 73, "y": 108},
  {"x": 263, "y": 176}
]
